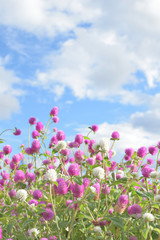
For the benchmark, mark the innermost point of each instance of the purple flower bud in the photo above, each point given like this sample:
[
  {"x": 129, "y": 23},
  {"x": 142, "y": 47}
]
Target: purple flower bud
[
  {"x": 115, "y": 135},
  {"x": 32, "y": 120}
]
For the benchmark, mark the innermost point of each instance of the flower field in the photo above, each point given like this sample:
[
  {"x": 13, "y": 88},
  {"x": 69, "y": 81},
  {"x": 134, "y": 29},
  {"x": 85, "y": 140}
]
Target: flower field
[{"x": 54, "y": 189}]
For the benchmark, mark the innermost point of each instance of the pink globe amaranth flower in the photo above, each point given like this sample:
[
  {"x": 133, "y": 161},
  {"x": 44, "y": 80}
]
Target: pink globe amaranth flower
[
  {"x": 99, "y": 157},
  {"x": 62, "y": 188},
  {"x": 35, "y": 134},
  {"x": 30, "y": 177},
  {"x": 123, "y": 200},
  {"x": 129, "y": 152},
  {"x": 119, "y": 175},
  {"x": 142, "y": 151},
  {"x": 134, "y": 209},
  {"x": 5, "y": 175},
  {"x": 86, "y": 182},
  {"x": 32, "y": 120},
  {"x": 158, "y": 161},
  {"x": 69, "y": 185},
  {"x": 44, "y": 239},
  {"x": 153, "y": 150},
  {"x": 78, "y": 190},
  {"x": 110, "y": 211},
  {"x": 106, "y": 189},
  {"x": 55, "y": 119},
  {"x": 29, "y": 151},
  {"x": 65, "y": 152},
  {"x": 46, "y": 161},
  {"x": 12, "y": 193},
  {"x": 127, "y": 158},
  {"x": 13, "y": 165},
  {"x": 86, "y": 141},
  {"x": 48, "y": 214},
  {"x": 36, "y": 145},
  {"x": 73, "y": 169},
  {"x": 79, "y": 138},
  {"x": 54, "y": 140},
  {"x": 7, "y": 149},
  {"x": 21, "y": 155},
  {"x": 68, "y": 202},
  {"x": 19, "y": 176},
  {"x": 91, "y": 161},
  {"x": 1, "y": 155},
  {"x": 17, "y": 132},
  {"x": 7, "y": 161},
  {"x": 1, "y": 235},
  {"x": 133, "y": 238},
  {"x": 72, "y": 160},
  {"x": 16, "y": 159},
  {"x": 53, "y": 238},
  {"x": 146, "y": 171},
  {"x": 33, "y": 201},
  {"x": 94, "y": 128},
  {"x": 60, "y": 135},
  {"x": 30, "y": 165},
  {"x": 54, "y": 111},
  {"x": 37, "y": 194},
  {"x": 150, "y": 161},
  {"x": 115, "y": 135},
  {"x": 39, "y": 126},
  {"x": 49, "y": 205},
  {"x": 79, "y": 155}
]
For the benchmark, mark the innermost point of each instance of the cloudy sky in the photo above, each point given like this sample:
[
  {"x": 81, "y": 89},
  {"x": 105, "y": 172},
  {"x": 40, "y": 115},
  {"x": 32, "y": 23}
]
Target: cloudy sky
[{"x": 97, "y": 60}]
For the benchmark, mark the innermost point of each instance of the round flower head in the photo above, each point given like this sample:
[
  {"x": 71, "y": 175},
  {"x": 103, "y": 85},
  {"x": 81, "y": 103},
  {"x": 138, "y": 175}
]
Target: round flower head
[
  {"x": 78, "y": 190},
  {"x": 16, "y": 159},
  {"x": 60, "y": 135},
  {"x": 7, "y": 149},
  {"x": 123, "y": 200},
  {"x": 98, "y": 172},
  {"x": 44, "y": 239},
  {"x": 12, "y": 193},
  {"x": 51, "y": 175},
  {"x": 134, "y": 209},
  {"x": 21, "y": 195},
  {"x": 153, "y": 150},
  {"x": 33, "y": 232},
  {"x": 32, "y": 120},
  {"x": 54, "y": 111},
  {"x": 94, "y": 128},
  {"x": 35, "y": 134},
  {"x": 19, "y": 176},
  {"x": 150, "y": 161},
  {"x": 73, "y": 169},
  {"x": 79, "y": 138},
  {"x": 39, "y": 126},
  {"x": 36, "y": 145},
  {"x": 48, "y": 214},
  {"x": 91, "y": 161},
  {"x": 62, "y": 188},
  {"x": 17, "y": 132},
  {"x": 61, "y": 145},
  {"x": 37, "y": 194},
  {"x": 97, "y": 229},
  {"x": 141, "y": 152},
  {"x": 146, "y": 171},
  {"x": 86, "y": 182},
  {"x": 148, "y": 217},
  {"x": 104, "y": 144},
  {"x": 133, "y": 238},
  {"x": 115, "y": 135},
  {"x": 55, "y": 119},
  {"x": 153, "y": 174},
  {"x": 68, "y": 202},
  {"x": 129, "y": 152}
]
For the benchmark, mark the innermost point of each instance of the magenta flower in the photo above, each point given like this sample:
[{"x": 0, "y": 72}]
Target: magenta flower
[
  {"x": 19, "y": 176},
  {"x": 48, "y": 214},
  {"x": 91, "y": 161},
  {"x": 35, "y": 134},
  {"x": 68, "y": 202},
  {"x": 79, "y": 138},
  {"x": 55, "y": 119},
  {"x": 37, "y": 194},
  {"x": 94, "y": 128},
  {"x": 39, "y": 126},
  {"x": 16, "y": 159},
  {"x": 150, "y": 161},
  {"x": 32, "y": 120},
  {"x": 146, "y": 171},
  {"x": 79, "y": 155},
  {"x": 36, "y": 145},
  {"x": 129, "y": 152},
  {"x": 78, "y": 190},
  {"x": 106, "y": 189},
  {"x": 7, "y": 149},
  {"x": 12, "y": 193},
  {"x": 153, "y": 150},
  {"x": 86, "y": 182},
  {"x": 73, "y": 169},
  {"x": 60, "y": 135},
  {"x": 62, "y": 188},
  {"x": 54, "y": 111},
  {"x": 134, "y": 209},
  {"x": 33, "y": 201},
  {"x": 141, "y": 152},
  {"x": 115, "y": 135},
  {"x": 17, "y": 132}
]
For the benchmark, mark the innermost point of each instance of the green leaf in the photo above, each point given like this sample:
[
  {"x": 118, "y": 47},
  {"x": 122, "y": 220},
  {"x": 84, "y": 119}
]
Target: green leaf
[
  {"x": 28, "y": 221},
  {"x": 145, "y": 232},
  {"x": 85, "y": 137},
  {"x": 148, "y": 195},
  {"x": 78, "y": 180},
  {"x": 156, "y": 229},
  {"x": 9, "y": 227},
  {"x": 117, "y": 221}
]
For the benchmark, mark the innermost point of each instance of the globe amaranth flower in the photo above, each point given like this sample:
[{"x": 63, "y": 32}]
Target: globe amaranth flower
[
  {"x": 94, "y": 128},
  {"x": 19, "y": 176},
  {"x": 36, "y": 145},
  {"x": 60, "y": 135},
  {"x": 48, "y": 214},
  {"x": 121, "y": 204},
  {"x": 78, "y": 190},
  {"x": 134, "y": 209},
  {"x": 32, "y": 120},
  {"x": 79, "y": 155},
  {"x": 33, "y": 232},
  {"x": 60, "y": 145},
  {"x": 115, "y": 135},
  {"x": 62, "y": 188},
  {"x": 133, "y": 238},
  {"x": 55, "y": 119},
  {"x": 37, "y": 194},
  {"x": 97, "y": 229},
  {"x": 98, "y": 172},
  {"x": 91, "y": 161},
  {"x": 17, "y": 132},
  {"x": 35, "y": 134},
  {"x": 7, "y": 149},
  {"x": 150, "y": 161},
  {"x": 129, "y": 152},
  {"x": 148, "y": 217},
  {"x": 73, "y": 169},
  {"x": 153, "y": 150},
  {"x": 146, "y": 171},
  {"x": 79, "y": 138},
  {"x": 39, "y": 126},
  {"x": 142, "y": 151},
  {"x": 54, "y": 111},
  {"x": 21, "y": 195},
  {"x": 51, "y": 175},
  {"x": 104, "y": 144}
]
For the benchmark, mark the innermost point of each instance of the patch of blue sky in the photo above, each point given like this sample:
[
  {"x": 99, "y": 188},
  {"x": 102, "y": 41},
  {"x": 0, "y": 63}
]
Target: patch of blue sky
[{"x": 85, "y": 25}]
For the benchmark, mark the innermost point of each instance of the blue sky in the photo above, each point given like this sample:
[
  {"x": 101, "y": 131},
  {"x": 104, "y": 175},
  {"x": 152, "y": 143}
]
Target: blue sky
[{"x": 98, "y": 61}]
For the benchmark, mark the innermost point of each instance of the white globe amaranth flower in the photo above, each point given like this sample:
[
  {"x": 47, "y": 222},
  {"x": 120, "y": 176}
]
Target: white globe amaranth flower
[
  {"x": 157, "y": 198},
  {"x": 33, "y": 232},
  {"x": 61, "y": 145},
  {"x": 113, "y": 153},
  {"x": 32, "y": 207},
  {"x": 95, "y": 147},
  {"x": 97, "y": 229},
  {"x": 21, "y": 195},
  {"x": 135, "y": 175},
  {"x": 120, "y": 172},
  {"x": 51, "y": 175},
  {"x": 93, "y": 190},
  {"x": 153, "y": 174},
  {"x": 98, "y": 172},
  {"x": 104, "y": 144},
  {"x": 148, "y": 217}
]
